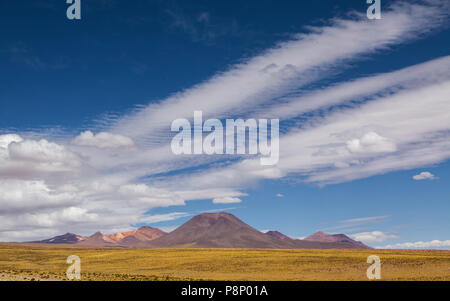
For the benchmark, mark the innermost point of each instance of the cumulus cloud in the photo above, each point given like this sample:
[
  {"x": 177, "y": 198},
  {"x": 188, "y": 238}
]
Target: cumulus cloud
[
  {"x": 42, "y": 151},
  {"x": 25, "y": 158},
  {"x": 372, "y": 237},
  {"x": 433, "y": 244},
  {"x": 102, "y": 140},
  {"x": 17, "y": 195},
  {"x": 55, "y": 218},
  {"x": 42, "y": 223},
  {"x": 6, "y": 140},
  {"x": 279, "y": 195},
  {"x": 226, "y": 200},
  {"x": 371, "y": 142},
  {"x": 425, "y": 175}
]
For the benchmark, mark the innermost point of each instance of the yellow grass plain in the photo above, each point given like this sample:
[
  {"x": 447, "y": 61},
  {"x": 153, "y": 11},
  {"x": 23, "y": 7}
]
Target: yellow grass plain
[{"x": 42, "y": 262}]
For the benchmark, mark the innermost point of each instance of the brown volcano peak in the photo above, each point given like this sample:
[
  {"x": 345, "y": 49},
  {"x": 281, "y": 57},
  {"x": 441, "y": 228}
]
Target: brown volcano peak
[
  {"x": 217, "y": 230},
  {"x": 335, "y": 238}
]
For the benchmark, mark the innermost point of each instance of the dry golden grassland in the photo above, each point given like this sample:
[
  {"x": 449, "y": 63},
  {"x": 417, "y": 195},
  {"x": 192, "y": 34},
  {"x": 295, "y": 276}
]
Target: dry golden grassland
[{"x": 41, "y": 262}]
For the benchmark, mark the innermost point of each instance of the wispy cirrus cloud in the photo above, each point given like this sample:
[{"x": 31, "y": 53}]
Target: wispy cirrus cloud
[
  {"x": 285, "y": 68},
  {"x": 102, "y": 140},
  {"x": 354, "y": 223},
  {"x": 157, "y": 218},
  {"x": 226, "y": 200}
]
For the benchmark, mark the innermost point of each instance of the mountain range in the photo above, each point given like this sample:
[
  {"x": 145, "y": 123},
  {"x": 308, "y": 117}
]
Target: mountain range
[
  {"x": 209, "y": 230},
  {"x": 123, "y": 239}
]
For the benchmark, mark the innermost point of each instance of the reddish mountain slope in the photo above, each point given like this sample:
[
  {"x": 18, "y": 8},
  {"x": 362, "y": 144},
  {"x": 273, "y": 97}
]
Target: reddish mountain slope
[
  {"x": 143, "y": 234},
  {"x": 68, "y": 238},
  {"x": 335, "y": 238},
  {"x": 98, "y": 240}
]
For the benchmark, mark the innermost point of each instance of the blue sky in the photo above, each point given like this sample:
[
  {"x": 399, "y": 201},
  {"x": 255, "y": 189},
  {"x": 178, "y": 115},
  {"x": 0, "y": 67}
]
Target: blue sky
[{"x": 363, "y": 105}]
